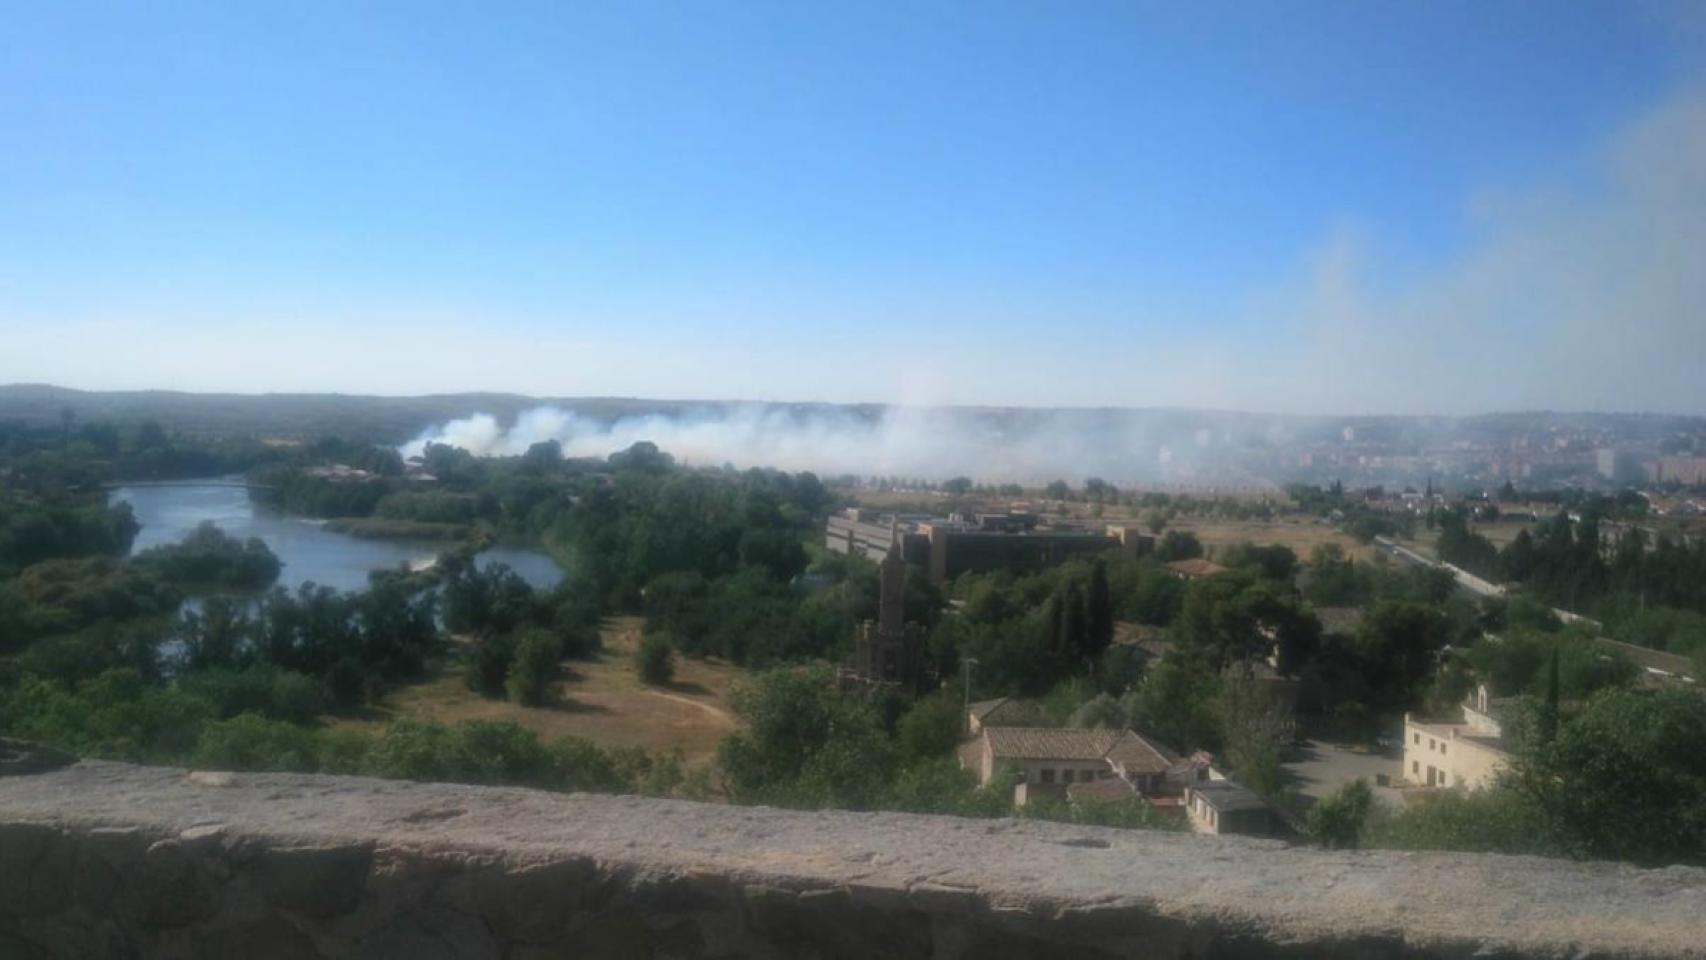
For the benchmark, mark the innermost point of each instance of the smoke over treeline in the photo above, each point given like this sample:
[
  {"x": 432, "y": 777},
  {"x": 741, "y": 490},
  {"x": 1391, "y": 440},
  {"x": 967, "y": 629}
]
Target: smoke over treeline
[
  {"x": 1028, "y": 445},
  {"x": 930, "y": 443}
]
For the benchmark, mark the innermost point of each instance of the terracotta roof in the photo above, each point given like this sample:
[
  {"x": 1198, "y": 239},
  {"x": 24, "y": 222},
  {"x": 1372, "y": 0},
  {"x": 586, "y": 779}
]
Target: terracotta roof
[
  {"x": 1122, "y": 747},
  {"x": 1138, "y": 754},
  {"x": 1196, "y": 567}
]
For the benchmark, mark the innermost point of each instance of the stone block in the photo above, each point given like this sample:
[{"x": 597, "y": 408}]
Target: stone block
[
  {"x": 319, "y": 882},
  {"x": 537, "y": 903}
]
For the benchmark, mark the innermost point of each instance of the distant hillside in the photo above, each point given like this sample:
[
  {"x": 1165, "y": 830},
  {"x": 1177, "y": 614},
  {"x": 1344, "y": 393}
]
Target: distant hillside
[
  {"x": 379, "y": 419},
  {"x": 1153, "y": 444}
]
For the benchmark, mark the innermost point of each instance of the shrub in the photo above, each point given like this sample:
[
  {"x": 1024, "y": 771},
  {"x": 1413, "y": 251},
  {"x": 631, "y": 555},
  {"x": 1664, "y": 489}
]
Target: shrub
[
  {"x": 655, "y": 659},
  {"x": 582, "y": 765},
  {"x": 1337, "y": 822},
  {"x": 931, "y": 728},
  {"x": 578, "y": 640},
  {"x": 345, "y": 683},
  {"x": 534, "y": 669},
  {"x": 475, "y": 751},
  {"x": 252, "y": 742},
  {"x": 1493, "y": 820},
  {"x": 489, "y": 660}
]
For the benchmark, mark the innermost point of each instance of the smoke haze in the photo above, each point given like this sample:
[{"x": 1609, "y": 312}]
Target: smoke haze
[{"x": 932, "y": 443}]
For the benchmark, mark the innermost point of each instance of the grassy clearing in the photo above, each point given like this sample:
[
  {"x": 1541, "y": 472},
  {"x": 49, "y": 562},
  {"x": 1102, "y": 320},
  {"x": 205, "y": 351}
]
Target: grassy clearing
[
  {"x": 601, "y": 700},
  {"x": 1300, "y": 533}
]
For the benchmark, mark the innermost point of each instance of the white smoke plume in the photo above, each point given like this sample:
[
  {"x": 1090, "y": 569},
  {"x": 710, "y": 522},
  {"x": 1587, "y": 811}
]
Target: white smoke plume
[{"x": 912, "y": 442}]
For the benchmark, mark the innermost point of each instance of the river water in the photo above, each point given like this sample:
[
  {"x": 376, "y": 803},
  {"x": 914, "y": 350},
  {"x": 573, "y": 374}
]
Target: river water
[{"x": 307, "y": 549}]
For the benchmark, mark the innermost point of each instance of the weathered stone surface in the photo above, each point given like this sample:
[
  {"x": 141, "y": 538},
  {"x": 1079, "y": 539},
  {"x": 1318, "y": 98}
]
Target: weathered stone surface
[
  {"x": 171, "y": 889},
  {"x": 101, "y": 859},
  {"x": 320, "y": 881}
]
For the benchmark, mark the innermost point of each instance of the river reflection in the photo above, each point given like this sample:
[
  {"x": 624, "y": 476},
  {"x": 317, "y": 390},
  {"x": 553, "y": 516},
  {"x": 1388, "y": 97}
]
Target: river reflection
[{"x": 307, "y": 549}]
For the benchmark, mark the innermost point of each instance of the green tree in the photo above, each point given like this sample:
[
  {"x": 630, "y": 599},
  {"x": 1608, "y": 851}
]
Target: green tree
[
  {"x": 1626, "y": 778},
  {"x": 931, "y": 728},
  {"x": 1176, "y": 702},
  {"x": 533, "y": 673},
  {"x": 1549, "y": 707},
  {"x": 1099, "y": 612},
  {"x": 1337, "y": 821},
  {"x": 489, "y": 659},
  {"x": 1256, "y": 727},
  {"x": 654, "y": 660},
  {"x": 1398, "y": 641},
  {"x": 1178, "y": 545},
  {"x": 1155, "y": 520}
]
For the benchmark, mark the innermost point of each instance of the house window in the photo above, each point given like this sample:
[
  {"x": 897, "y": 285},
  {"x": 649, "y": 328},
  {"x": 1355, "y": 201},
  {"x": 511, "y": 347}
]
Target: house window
[
  {"x": 1066, "y": 776},
  {"x": 1442, "y": 748},
  {"x": 1087, "y": 776},
  {"x": 1418, "y": 738},
  {"x": 1104, "y": 774},
  {"x": 1048, "y": 774},
  {"x": 1415, "y": 766}
]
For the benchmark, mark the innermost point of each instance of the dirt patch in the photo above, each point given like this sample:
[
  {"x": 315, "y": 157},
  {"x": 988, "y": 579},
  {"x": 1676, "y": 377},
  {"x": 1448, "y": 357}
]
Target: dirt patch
[{"x": 601, "y": 700}]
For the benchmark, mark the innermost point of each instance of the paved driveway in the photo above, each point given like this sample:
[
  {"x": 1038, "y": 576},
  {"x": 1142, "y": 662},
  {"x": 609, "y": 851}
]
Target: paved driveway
[{"x": 1319, "y": 768}]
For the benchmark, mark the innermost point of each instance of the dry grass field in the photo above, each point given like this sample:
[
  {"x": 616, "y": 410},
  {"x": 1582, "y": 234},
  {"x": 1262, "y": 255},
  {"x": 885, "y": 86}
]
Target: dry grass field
[
  {"x": 1500, "y": 532},
  {"x": 601, "y": 700},
  {"x": 1302, "y": 534}
]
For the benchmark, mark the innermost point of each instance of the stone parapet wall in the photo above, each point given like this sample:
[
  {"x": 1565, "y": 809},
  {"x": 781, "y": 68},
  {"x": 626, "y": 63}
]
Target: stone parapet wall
[{"x": 113, "y": 860}]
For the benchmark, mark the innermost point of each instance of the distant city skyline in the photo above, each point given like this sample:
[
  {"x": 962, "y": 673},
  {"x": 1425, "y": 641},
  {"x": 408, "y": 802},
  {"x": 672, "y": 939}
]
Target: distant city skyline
[{"x": 1304, "y": 208}]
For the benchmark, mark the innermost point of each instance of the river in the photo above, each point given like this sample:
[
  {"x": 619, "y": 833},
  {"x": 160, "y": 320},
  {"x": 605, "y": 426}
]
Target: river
[{"x": 307, "y": 549}]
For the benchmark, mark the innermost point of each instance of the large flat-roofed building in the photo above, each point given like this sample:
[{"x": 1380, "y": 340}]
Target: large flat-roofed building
[{"x": 949, "y": 546}]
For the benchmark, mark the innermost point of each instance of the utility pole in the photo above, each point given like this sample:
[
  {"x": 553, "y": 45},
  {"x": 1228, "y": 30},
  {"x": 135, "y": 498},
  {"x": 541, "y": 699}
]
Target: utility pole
[{"x": 966, "y": 666}]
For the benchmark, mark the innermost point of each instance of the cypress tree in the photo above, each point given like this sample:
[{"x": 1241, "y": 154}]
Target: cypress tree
[
  {"x": 1099, "y": 611},
  {"x": 1549, "y": 710}
]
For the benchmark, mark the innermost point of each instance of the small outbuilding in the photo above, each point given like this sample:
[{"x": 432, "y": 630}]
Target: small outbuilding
[{"x": 1227, "y": 806}]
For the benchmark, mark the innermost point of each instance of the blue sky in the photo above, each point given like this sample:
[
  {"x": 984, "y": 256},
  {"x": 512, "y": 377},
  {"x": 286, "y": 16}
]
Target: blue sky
[{"x": 1252, "y": 205}]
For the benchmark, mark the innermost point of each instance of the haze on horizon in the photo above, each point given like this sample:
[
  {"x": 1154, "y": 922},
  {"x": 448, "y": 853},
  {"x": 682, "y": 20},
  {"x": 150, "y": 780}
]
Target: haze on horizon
[{"x": 1321, "y": 208}]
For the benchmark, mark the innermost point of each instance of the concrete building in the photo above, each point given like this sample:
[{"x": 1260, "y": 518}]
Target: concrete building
[
  {"x": 949, "y": 546},
  {"x": 1222, "y": 805},
  {"x": 1687, "y": 471},
  {"x": 1469, "y": 754}
]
